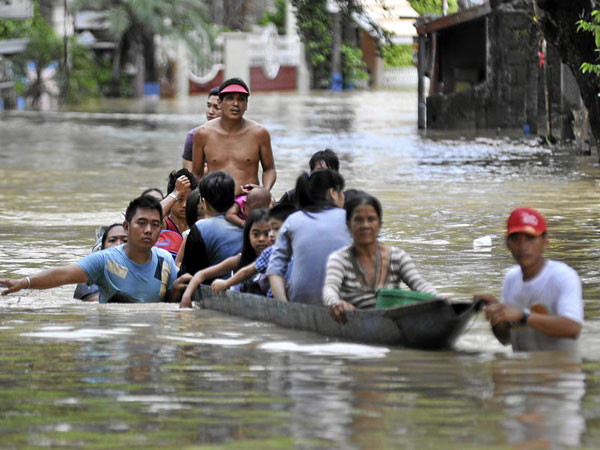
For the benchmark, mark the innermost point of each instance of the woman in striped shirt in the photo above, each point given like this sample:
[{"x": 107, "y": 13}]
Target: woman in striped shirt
[{"x": 357, "y": 271}]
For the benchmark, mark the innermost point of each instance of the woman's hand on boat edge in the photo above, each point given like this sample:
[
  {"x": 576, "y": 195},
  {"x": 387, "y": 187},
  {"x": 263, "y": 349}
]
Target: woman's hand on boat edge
[{"x": 337, "y": 311}]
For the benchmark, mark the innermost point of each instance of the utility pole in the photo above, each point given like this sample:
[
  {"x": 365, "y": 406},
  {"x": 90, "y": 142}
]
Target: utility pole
[
  {"x": 444, "y": 7},
  {"x": 336, "y": 58},
  {"x": 65, "y": 87}
]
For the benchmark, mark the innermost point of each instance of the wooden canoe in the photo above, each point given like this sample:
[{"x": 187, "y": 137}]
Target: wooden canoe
[{"x": 431, "y": 324}]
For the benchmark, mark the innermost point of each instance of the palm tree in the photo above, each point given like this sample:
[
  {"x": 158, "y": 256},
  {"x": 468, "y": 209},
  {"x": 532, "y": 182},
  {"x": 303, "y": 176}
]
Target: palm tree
[{"x": 133, "y": 24}]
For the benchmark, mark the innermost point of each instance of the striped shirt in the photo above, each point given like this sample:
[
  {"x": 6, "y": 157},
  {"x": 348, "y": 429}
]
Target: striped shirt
[{"x": 343, "y": 283}]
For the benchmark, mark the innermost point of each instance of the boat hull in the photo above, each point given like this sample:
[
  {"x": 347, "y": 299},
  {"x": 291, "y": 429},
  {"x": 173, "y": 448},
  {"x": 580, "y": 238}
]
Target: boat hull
[{"x": 427, "y": 325}]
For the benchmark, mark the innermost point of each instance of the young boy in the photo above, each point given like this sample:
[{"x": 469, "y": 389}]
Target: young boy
[
  {"x": 541, "y": 306},
  {"x": 277, "y": 216}
]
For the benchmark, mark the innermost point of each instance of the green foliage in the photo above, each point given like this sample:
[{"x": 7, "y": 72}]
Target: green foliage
[
  {"x": 86, "y": 77},
  {"x": 591, "y": 27},
  {"x": 162, "y": 17},
  {"x": 133, "y": 23},
  {"x": 397, "y": 55},
  {"x": 14, "y": 29},
  {"x": 277, "y": 17},
  {"x": 43, "y": 48},
  {"x": 314, "y": 27},
  {"x": 353, "y": 66},
  {"x": 432, "y": 6}
]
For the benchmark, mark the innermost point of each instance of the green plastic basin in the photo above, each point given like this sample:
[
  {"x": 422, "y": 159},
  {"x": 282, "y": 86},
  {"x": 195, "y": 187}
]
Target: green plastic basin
[{"x": 390, "y": 298}]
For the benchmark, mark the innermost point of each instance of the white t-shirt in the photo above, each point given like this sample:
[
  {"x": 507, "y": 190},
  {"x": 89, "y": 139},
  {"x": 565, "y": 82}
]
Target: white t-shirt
[{"x": 558, "y": 289}]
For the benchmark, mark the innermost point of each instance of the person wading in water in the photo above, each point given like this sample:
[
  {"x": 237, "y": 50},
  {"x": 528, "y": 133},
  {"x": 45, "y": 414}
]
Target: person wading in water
[{"x": 234, "y": 144}]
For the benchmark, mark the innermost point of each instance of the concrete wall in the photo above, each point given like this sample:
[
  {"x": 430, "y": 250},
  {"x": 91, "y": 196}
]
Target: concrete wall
[{"x": 509, "y": 92}]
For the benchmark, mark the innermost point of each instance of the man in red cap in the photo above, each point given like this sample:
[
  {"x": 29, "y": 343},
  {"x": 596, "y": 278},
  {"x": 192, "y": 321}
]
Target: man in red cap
[
  {"x": 541, "y": 306},
  {"x": 233, "y": 144}
]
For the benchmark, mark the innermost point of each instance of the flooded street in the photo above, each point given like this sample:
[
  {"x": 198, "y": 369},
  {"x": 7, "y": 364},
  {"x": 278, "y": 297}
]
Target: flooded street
[{"x": 76, "y": 375}]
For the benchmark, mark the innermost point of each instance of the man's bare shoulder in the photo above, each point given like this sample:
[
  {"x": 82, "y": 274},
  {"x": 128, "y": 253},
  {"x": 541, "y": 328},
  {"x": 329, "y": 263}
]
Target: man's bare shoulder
[
  {"x": 256, "y": 128},
  {"x": 210, "y": 127}
]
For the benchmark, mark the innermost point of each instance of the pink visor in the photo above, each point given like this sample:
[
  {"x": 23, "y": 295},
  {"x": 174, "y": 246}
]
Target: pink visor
[{"x": 234, "y": 88}]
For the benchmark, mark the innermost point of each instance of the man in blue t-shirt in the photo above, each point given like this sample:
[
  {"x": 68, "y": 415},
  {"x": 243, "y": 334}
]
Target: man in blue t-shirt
[{"x": 135, "y": 272}]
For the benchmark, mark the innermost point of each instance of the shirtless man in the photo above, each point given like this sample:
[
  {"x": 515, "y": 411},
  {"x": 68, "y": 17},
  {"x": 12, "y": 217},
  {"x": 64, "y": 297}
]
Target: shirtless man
[{"x": 233, "y": 144}]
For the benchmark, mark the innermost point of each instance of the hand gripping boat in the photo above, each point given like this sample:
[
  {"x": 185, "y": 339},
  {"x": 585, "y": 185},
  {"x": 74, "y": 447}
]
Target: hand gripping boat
[{"x": 433, "y": 324}]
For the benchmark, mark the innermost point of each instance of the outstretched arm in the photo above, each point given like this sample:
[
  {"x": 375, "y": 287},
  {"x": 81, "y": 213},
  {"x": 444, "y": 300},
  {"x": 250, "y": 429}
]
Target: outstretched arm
[
  {"x": 232, "y": 215},
  {"x": 278, "y": 287},
  {"x": 179, "y": 285},
  {"x": 222, "y": 268},
  {"x": 70, "y": 274},
  {"x": 267, "y": 162},
  {"x": 241, "y": 275},
  {"x": 331, "y": 289}
]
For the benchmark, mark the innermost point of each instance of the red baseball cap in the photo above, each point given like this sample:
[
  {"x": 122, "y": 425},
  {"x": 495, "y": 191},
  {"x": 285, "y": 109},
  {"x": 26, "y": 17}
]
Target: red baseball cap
[
  {"x": 234, "y": 88},
  {"x": 525, "y": 220}
]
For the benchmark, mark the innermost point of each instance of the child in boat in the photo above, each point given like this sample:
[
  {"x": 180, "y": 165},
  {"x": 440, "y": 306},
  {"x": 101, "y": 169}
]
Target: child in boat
[
  {"x": 243, "y": 205},
  {"x": 212, "y": 239},
  {"x": 175, "y": 219},
  {"x": 357, "y": 271},
  {"x": 310, "y": 235},
  {"x": 193, "y": 213},
  {"x": 541, "y": 306},
  {"x": 323, "y": 159},
  {"x": 277, "y": 216},
  {"x": 256, "y": 240}
]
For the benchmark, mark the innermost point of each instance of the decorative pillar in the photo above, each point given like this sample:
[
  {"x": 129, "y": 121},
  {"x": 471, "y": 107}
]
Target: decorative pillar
[
  {"x": 422, "y": 105},
  {"x": 236, "y": 56}
]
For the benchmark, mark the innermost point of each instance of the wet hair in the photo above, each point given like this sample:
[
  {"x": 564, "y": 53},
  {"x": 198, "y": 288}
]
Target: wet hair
[
  {"x": 142, "y": 202},
  {"x": 105, "y": 235},
  {"x": 349, "y": 194},
  {"x": 231, "y": 81},
  {"x": 191, "y": 207},
  {"x": 176, "y": 174},
  {"x": 281, "y": 211},
  {"x": 328, "y": 156},
  {"x": 214, "y": 91},
  {"x": 248, "y": 254},
  {"x": 312, "y": 189},
  {"x": 362, "y": 198},
  {"x": 218, "y": 189},
  {"x": 147, "y": 191}
]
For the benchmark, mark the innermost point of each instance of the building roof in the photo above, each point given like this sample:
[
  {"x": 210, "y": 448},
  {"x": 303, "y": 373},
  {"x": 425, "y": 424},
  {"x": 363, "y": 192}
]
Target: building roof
[
  {"x": 91, "y": 20},
  {"x": 394, "y": 16},
  {"x": 439, "y": 23},
  {"x": 13, "y": 46},
  {"x": 16, "y": 9}
]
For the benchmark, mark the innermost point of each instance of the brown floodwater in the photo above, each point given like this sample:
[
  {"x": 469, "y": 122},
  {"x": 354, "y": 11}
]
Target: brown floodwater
[{"x": 76, "y": 375}]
